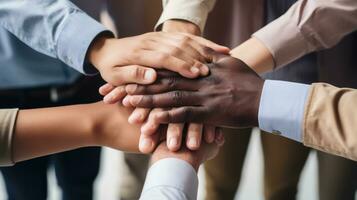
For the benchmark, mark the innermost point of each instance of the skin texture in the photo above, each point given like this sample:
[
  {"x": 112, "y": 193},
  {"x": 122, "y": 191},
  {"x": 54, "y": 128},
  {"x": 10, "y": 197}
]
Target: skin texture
[
  {"x": 195, "y": 132},
  {"x": 70, "y": 127},
  {"x": 129, "y": 60},
  {"x": 228, "y": 97},
  {"x": 255, "y": 54},
  {"x": 194, "y": 158}
]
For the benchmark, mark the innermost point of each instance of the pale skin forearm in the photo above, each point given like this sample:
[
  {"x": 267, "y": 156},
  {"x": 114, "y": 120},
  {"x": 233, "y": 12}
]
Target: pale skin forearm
[
  {"x": 254, "y": 53},
  {"x": 40, "y": 132}
]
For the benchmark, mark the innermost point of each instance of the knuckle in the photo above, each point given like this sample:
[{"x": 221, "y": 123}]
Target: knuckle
[
  {"x": 175, "y": 51},
  {"x": 172, "y": 82},
  {"x": 163, "y": 56},
  {"x": 177, "y": 97},
  {"x": 138, "y": 73}
]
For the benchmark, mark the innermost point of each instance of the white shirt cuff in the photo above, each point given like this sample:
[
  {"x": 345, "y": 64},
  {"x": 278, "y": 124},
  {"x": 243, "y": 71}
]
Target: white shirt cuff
[{"x": 282, "y": 107}]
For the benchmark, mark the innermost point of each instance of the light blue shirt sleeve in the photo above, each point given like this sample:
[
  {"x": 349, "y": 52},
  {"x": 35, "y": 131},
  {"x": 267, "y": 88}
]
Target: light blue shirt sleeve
[
  {"x": 170, "y": 179},
  {"x": 281, "y": 108},
  {"x": 56, "y": 28}
]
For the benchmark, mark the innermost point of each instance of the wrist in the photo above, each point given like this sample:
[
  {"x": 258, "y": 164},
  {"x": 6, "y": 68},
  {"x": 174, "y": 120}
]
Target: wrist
[
  {"x": 176, "y": 25},
  {"x": 162, "y": 152},
  {"x": 97, "y": 50},
  {"x": 255, "y": 54}
]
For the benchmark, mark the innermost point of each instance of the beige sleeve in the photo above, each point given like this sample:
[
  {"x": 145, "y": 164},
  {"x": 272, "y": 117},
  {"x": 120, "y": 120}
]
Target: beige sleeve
[
  {"x": 195, "y": 11},
  {"x": 7, "y": 124},
  {"x": 309, "y": 25},
  {"x": 330, "y": 120}
]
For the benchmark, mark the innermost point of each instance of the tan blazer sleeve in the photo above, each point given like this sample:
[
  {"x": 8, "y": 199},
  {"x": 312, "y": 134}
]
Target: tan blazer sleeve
[
  {"x": 195, "y": 11},
  {"x": 7, "y": 124},
  {"x": 330, "y": 120},
  {"x": 309, "y": 25}
]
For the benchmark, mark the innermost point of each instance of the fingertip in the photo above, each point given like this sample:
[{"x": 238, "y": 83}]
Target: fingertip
[
  {"x": 146, "y": 145},
  {"x": 173, "y": 144},
  {"x": 126, "y": 101},
  {"x": 108, "y": 99},
  {"x": 150, "y": 76},
  {"x": 105, "y": 89}
]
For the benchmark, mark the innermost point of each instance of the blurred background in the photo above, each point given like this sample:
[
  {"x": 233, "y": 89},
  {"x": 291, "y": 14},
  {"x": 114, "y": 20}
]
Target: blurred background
[{"x": 258, "y": 159}]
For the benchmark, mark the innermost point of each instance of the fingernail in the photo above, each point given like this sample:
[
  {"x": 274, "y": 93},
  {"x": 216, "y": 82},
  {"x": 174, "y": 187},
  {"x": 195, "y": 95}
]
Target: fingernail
[
  {"x": 131, "y": 88},
  {"x": 126, "y": 101},
  {"x": 192, "y": 142},
  {"x": 145, "y": 144},
  {"x": 149, "y": 75},
  {"x": 204, "y": 70},
  {"x": 135, "y": 117},
  {"x": 173, "y": 142},
  {"x": 195, "y": 70}
]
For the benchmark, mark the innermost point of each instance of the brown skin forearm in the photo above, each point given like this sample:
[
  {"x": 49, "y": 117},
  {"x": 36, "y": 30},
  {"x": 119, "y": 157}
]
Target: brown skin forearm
[{"x": 40, "y": 132}]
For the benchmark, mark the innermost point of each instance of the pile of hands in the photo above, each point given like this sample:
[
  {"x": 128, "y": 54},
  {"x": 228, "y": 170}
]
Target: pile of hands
[{"x": 182, "y": 89}]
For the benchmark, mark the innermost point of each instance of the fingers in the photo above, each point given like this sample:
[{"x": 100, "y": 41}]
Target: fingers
[
  {"x": 194, "y": 136},
  {"x": 209, "y": 133},
  {"x": 174, "y": 136},
  {"x": 115, "y": 95},
  {"x": 105, "y": 89},
  {"x": 219, "y": 137},
  {"x": 164, "y": 85},
  {"x": 147, "y": 143},
  {"x": 132, "y": 74},
  {"x": 159, "y": 60},
  {"x": 164, "y": 100},
  {"x": 210, "y": 44},
  {"x": 139, "y": 115},
  {"x": 151, "y": 125},
  {"x": 182, "y": 115}
]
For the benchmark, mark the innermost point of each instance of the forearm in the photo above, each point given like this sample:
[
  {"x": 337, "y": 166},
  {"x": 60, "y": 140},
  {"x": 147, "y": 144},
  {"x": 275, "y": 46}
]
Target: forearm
[
  {"x": 45, "y": 131},
  {"x": 255, "y": 54},
  {"x": 301, "y": 30},
  {"x": 40, "y": 132},
  {"x": 51, "y": 27}
]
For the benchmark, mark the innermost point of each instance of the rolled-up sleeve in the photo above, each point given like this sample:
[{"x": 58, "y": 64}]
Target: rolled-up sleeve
[
  {"x": 56, "y": 28},
  {"x": 7, "y": 124},
  {"x": 309, "y": 25},
  {"x": 195, "y": 11}
]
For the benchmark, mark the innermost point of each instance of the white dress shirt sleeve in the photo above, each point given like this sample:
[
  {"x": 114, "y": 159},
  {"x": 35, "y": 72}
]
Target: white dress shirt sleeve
[
  {"x": 281, "y": 108},
  {"x": 170, "y": 179}
]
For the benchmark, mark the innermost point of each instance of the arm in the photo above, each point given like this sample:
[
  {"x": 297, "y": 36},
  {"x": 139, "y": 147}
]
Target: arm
[
  {"x": 59, "y": 29},
  {"x": 174, "y": 175},
  {"x": 309, "y": 25},
  {"x": 320, "y": 116},
  {"x": 40, "y": 132},
  {"x": 194, "y": 11}
]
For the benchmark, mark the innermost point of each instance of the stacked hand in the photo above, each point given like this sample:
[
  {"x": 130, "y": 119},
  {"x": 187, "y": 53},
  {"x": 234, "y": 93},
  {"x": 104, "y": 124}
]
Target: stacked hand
[
  {"x": 228, "y": 97},
  {"x": 179, "y": 52}
]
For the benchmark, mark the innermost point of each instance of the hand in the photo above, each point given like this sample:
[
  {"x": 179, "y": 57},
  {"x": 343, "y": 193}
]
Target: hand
[
  {"x": 194, "y": 158},
  {"x": 122, "y": 61},
  {"x": 228, "y": 97},
  {"x": 149, "y": 137}
]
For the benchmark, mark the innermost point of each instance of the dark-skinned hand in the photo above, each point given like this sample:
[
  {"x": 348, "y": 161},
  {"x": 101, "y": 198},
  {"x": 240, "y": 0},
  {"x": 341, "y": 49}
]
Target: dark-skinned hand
[{"x": 228, "y": 97}]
